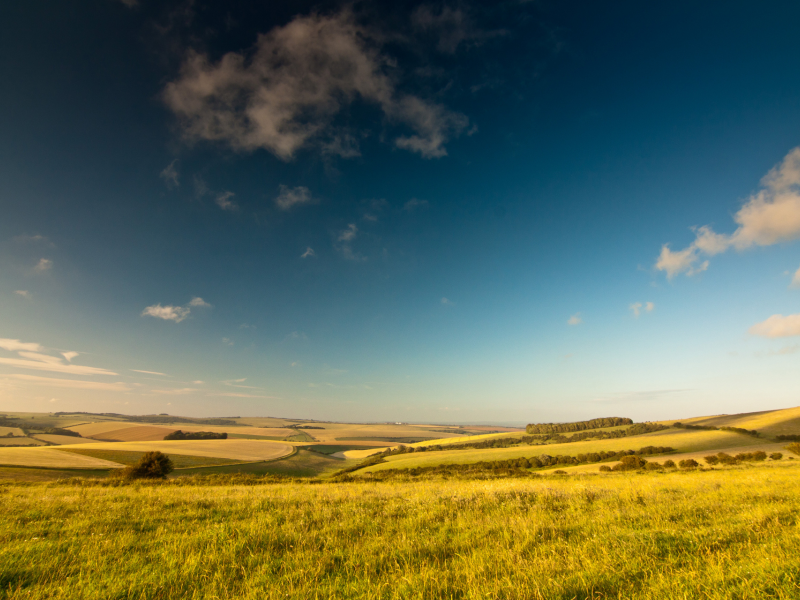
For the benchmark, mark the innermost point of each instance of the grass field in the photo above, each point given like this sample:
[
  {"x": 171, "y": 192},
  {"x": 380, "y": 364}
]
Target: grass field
[
  {"x": 771, "y": 422},
  {"x": 20, "y": 441},
  {"x": 239, "y": 450},
  {"x": 51, "y": 458},
  {"x": 61, "y": 440},
  {"x": 128, "y": 457},
  {"x": 716, "y": 534},
  {"x": 682, "y": 440}
]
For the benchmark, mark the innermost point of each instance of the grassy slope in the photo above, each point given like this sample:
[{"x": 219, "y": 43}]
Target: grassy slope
[
  {"x": 301, "y": 464},
  {"x": 127, "y": 457},
  {"x": 772, "y": 422},
  {"x": 714, "y": 535},
  {"x": 682, "y": 440}
]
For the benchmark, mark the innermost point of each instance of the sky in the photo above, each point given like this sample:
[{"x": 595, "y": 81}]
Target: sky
[{"x": 453, "y": 212}]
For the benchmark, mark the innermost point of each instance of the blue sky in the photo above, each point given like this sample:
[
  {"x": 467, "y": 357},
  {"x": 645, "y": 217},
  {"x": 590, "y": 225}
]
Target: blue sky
[{"x": 443, "y": 212}]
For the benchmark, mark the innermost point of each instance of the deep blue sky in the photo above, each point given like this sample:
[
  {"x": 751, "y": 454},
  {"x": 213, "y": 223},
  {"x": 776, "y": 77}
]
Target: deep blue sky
[{"x": 487, "y": 202}]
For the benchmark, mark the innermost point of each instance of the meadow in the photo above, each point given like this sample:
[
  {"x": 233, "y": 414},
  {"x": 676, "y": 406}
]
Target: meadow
[{"x": 730, "y": 532}]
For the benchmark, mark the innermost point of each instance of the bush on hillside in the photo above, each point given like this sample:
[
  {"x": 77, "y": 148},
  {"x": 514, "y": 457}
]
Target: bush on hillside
[
  {"x": 578, "y": 425},
  {"x": 605, "y": 468},
  {"x": 629, "y": 463},
  {"x": 688, "y": 463},
  {"x": 711, "y": 460},
  {"x": 794, "y": 448},
  {"x": 776, "y": 456},
  {"x": 788, "y": 438},
  {"x": 153, "y": 465},
  {"x": 669, "y": 464},
  {"x": 195, "y": 435}
]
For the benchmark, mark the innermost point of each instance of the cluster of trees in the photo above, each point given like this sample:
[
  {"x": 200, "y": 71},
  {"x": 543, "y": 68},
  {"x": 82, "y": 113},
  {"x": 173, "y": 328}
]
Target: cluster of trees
[
  {"x": 195, "y": 435},
  {"x": 60, "y": 431},
  {"x": 726, "y": 459},
  {"x": 152, "y": 465},
  {"x": 302, "y": 427},
  {"x": 741, "y": 430},
  {"x": 577, "y": 425},
  {"x": 788, "y": 438}
]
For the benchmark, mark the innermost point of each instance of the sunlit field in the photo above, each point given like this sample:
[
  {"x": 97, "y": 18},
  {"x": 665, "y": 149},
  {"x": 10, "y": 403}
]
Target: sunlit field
[{"x": 721, "y": 533}]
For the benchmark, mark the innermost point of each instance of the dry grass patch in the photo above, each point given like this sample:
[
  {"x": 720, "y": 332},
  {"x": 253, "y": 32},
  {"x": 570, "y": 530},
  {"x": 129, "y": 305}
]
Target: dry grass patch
[
  {"x": 51, "y": 458},
  {"x": 240, "y": 450},
  {"x": 62, "y": 440}
]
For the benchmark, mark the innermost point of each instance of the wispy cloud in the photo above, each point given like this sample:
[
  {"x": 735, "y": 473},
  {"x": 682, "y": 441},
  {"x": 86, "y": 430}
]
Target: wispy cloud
[
  {"x": 149, "y": 372},
  {"x": 176, "y": 391},
  {"x": 285, "y": 93},
  {"x": 451, "y": 26},
  {"x": 414, "y": 203},
  {"x": 53, "y": 364},
  {"x": 174, "y": 313},
  {"x": 72, "y": 383},
  {"x": 296, "y": 335},
  {"x": 777, "y": 326},
  {"x": 785, "y": 351},
  {"x": 637, "y": 308},
  {"x": 70, "y": 355},
  {"x": 290, "y": 197},
  {"x": 170, "y": 175},
  {"x": 223, "y": 200},
  {"x": 575, "y": 319},
  {"x": 769, "y": 216},
  {"x": 796, "y": 279},
  {"x": 44, "y": 265},
  {"x": 23, "y": 293},
  {"x": 308, "y": 253},
  {"x": 16, "y": 345},
  {"x": 446, "y": 302},
  {"x": 344, "y": 242}
]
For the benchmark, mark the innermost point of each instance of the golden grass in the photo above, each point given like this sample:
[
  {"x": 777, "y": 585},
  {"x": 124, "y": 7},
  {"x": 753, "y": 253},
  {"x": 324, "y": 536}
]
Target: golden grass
[
  {"x": 773, "y": 422},
  {"x": 714, "y": 535},
  {"x": 683, "y": 440},
  {"x": 139, "y": 433},
  {"x": 12, "y": 430},
  {"x": 51, "y": 458},
  {"x": 19, "y": 441}
]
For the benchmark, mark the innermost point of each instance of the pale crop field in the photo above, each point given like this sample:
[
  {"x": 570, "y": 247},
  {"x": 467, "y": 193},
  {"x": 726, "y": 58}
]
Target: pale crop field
[
  {"x": 683, "y": 440},
  {"x": 715, "y": 535},
  {"x": 4, "y": 431},
  {"x": 139, "y": 433},
  {"x": 244, "y": 450},
  {"x": 51, "y": 458},
  {"x": 62, "y": 440},
  {"x": 19, "y": 441}
]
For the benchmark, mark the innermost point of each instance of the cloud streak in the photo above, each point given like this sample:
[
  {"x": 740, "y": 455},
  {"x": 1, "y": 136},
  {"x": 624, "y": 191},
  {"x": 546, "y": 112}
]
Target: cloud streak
[
  {"x": 174, "y": 313},
  {"x": 777, "y": 326},
  {"x": 72, "y": 383},
  {"x": 769, "y": 216},
  {"x": 291, "y": 197}
]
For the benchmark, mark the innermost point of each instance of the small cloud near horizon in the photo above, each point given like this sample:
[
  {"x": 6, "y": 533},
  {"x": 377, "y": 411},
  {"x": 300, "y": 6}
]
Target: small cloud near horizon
[
  {"x": 777, "y": 326},
  {"x": 575, "y": 319},
  {"x": 637, "y": 308}
]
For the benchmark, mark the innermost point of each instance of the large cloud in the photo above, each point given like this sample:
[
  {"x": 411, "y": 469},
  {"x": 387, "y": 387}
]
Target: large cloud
[
  {"x": 284, "y": 94},
  {"x": 770, "y": 216},
  {"x": 778, "y": 326}
]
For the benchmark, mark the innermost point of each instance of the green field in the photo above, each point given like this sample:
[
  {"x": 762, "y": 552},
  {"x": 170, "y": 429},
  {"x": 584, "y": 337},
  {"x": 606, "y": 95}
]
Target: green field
[
  {"x": 682, "y": 440},
  {"x": 712, "y": 534}
]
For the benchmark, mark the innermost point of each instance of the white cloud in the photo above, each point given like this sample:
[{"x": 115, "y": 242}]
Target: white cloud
[
  {"x": 73, "y": 383},
  {"x": 42, "y": 362},
  {"x": 778, "y": 326},
  {"x": 284, "y": 94},
  {"x": 227, "y": 341},
  {"x": 638, "y": 307},
  {"x": 349, "y": 234},
  {"x": 198, "y": 302},
  {"x": 23, "y": 293},
  {"x": 69, "y": 355},
  {"x": 174, "y": 313},
  {"x": 296, "y": 335},
  {"x": 414, "y": 203},
  {"x": 44, "y": 265},
  {"x": 223, "y": 200},
  {"x": 149, "y": 372},
  {"x": 575, "y": 319},
  {"x": 168, "y": 313},
  {"x": 16, "y": 345},
  {"x": 170, "y": 175},
  {"x": 289, "y": 197},
  {"x": 308, "y": 253},
  {"x": 446, "y": 302},
  {"x": 176, "y": 392},
  {"x": 769, "y": 216},
  {"x": 796, "y": 279},
  {"x": 238, "y": 395}
]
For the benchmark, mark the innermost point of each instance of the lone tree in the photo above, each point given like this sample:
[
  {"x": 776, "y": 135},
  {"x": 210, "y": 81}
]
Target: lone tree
[{"x": 153, "y": 465}]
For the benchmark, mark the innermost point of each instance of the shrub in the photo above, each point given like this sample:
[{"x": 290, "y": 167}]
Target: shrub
[
  {"x": 712, "y": 460},
  {"x": 688, "y": 463},
  {"x": 653, "y": 466},
  {"x": 794, "y": 448},
  {"x": 559, "y": 472},
  {"x": 629, "y": 463},
  {"x": 727, "y": 459},
  {"x": 669, "y": 464},
  {"x": 195, "y": 435},
  {"x": 776, "y": 456},
  {"x": 605, "y": 468},
  {"x": 153, "y": 465}
]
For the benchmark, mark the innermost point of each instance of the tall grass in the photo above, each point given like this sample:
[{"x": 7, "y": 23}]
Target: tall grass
[{"x": 714, "y": 534}]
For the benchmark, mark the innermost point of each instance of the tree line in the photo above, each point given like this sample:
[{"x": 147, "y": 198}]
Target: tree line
[{"x": 577, "y": 425}]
